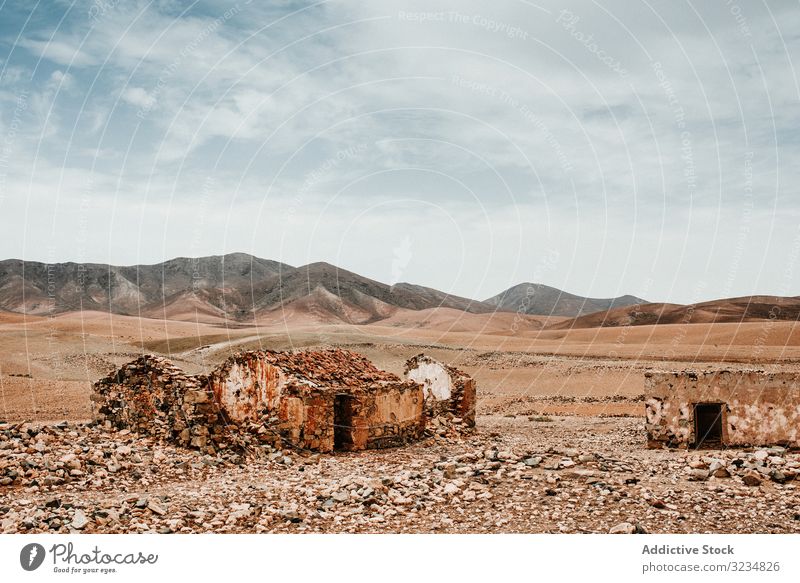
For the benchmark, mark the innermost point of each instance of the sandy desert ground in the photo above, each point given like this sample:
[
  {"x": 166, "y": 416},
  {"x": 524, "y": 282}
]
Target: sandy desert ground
[
  {"x": 47, "y": 364},
  {"x": 572, "y": 398}
]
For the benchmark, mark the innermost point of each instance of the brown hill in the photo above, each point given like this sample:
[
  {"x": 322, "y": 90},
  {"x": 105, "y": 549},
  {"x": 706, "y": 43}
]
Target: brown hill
[
  {"x": 328, "y": 293},
  {"x": 224, "y": 282},
  {"x": 733, "y": 310},
  {"x": 543, "y": 300}
]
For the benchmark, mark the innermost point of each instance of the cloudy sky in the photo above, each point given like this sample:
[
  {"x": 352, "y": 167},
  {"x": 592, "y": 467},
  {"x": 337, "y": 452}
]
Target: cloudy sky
[{"x": 612, "y": 147}]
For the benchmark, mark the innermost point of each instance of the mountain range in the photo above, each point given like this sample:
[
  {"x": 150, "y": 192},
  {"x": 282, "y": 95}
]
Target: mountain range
[
  {"x": 235, "y": 286},
  {"x": 241, "y": 287}
]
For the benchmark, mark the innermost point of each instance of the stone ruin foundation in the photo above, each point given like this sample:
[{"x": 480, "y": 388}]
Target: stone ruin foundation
[
  {"x": 317, "y": 400},
  {"x": 446, "y": 388},
  {"x": 722, "y": 408}
]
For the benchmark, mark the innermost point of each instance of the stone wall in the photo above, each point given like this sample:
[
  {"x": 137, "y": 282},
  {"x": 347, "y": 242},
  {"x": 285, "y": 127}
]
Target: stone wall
[
  {"x": 151, "y": 395},
  {"x": 306, "y": 417},
  {"x": 758, "y": 408},
  {"x": 380, "y": 416},
  {"x": 446, "y": 388},
  {"x": 247, "y": 386}
]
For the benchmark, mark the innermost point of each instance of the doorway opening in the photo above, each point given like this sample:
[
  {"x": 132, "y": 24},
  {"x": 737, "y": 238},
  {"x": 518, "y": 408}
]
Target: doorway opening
[
  {"x": 708, "y": 425},
  {"x": 343, "y": 422}
]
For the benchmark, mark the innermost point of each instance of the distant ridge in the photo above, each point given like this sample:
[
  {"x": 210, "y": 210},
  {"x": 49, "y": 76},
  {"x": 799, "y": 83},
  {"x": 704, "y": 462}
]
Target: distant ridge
[
  {"x": 731, "y": 310},
  {"x": 542, "y": 300}
]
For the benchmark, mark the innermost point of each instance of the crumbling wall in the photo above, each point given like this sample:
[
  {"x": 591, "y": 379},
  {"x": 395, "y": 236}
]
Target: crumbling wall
[
  {"x": 380, "y": 416},
  {"x": 446, "y": 388},
  {"x": 151, "y": 395},
  {"x": 758, "y": 408},
  {"x": 247, "y": 386},
  {"x": 306, "y": 417}
]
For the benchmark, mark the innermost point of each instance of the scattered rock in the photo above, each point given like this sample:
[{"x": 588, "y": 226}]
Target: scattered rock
[
  {"x": 79, "y": 520},
  {"x": 751, "y": 479},
  {"x": 623, "y": 528}
]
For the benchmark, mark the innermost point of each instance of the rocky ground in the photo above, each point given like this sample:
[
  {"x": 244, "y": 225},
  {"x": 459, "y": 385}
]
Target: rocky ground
[{"x": 515, "y": 474}]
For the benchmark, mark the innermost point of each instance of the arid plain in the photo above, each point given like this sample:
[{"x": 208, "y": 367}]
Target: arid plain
[
  {"x": 559, "y": 444},
  {"x": 47, "y": 364}
]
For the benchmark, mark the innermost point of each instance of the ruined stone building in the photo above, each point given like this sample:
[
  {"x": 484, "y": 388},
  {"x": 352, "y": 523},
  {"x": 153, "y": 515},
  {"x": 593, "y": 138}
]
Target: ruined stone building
[
  {"x": 323, "y": 400},
  {"x": 446, "y": 389},
  {"x": 722, "y": 408}
]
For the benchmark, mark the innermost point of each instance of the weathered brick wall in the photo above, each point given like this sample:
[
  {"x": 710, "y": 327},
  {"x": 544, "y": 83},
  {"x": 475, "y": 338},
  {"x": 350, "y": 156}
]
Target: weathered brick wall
[
  {"x": 758, "y": 408},
  {"x": 446, "y": 388}
]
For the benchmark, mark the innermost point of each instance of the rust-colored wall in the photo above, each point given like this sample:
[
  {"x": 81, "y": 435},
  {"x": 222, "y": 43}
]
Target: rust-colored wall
[
  {"x": 759, "y": 408},
  {"x": 306, "y": 418},
  {"x": 247, "y": 387},
  {"x": 465, "y": 399},
  {"x": 384, "y": 416}
]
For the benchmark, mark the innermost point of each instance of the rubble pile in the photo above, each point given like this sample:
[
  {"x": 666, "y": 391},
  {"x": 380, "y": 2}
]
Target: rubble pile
[
  {"x": 334, "y": 367},
  {"x": 752, "y": 468},
  {"x": 154, "y": 397}
]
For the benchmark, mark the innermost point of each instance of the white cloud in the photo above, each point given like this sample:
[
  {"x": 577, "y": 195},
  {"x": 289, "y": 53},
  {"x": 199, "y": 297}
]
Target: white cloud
[
  {"x": 523, "y": 131},
  {"x": 138, "y": 97}
]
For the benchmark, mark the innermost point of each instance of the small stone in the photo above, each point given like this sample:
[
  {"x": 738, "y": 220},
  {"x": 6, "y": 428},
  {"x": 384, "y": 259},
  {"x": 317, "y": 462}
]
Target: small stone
[
  {"x": 751, "y": 479},
  {"x": 623, "y": 528},
  {"x": 451, "y": 489},
  {"x": 79, "y": 520},
  {"x": 156, "y": 508},
  {"x": 698, "y": 475},
  {"x": 533, "y": 462},
  {"x": 778, "y": 476}
]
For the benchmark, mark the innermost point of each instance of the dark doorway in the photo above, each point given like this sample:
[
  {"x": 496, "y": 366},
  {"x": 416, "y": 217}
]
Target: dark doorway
[
  {"x": 343, "y": 422},
  {"x": 708, "y": 425}
]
